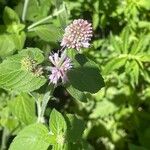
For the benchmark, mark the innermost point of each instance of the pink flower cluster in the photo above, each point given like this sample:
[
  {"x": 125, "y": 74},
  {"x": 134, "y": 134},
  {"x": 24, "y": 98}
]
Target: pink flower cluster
[{"x": 77, "y": 35}]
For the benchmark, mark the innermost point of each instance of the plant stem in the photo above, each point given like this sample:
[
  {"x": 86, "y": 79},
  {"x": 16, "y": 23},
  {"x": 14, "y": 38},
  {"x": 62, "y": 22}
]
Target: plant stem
[
  {"x": 44, "y": 103},
  {"x": 41, "y": 106},
  {"x": 45, "y": 19},
  {"x": 4, "y": 139},
  {"x": 25, "y": 9},
  {"x": 40, "y": 119}
]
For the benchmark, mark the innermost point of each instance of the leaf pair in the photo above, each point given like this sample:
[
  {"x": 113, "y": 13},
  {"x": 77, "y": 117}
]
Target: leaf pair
[{"x": 37, "y": 136}]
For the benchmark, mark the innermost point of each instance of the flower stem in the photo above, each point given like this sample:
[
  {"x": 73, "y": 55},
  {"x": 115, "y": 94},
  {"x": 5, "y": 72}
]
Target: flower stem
[
  {"x": 44, "y": 103},
  {"x": 39, "y": 119},
  {"x": 45, "y": 19},
  {"x": 41, "y": 105},
  {"x": 4, "y": 139},
  {"x": 25, "y": 9}
]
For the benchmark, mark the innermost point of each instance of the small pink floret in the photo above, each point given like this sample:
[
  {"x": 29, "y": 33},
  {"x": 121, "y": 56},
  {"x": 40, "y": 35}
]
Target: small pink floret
[{"x": 61, "y": 64}]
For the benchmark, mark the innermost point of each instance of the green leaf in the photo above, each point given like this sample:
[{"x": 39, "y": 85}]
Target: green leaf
[
  {"x": 145, "y": 4},
  {"x": 96, "y": 5},
  {"x": 35, "y": 53},
  {"x": 7, "y": 45},
  {"x": 76, "y": 94},
  {"x": 113, "y": 64},
  {"x": 116, "y": 43},
  {"x": 75, "y": 128},
  {"x": 144, "y": 57},
  {"x": 58, "y": 128},
  {"x": 95, "y": 20},
  {"x": 7, "y": 121},
  {"x": 140, "y": 45},
  {"x": 145, "y": 74},
  {"x": 15, "y": 28},
  {"x": 103, "y": 109},
  {"x": 11, "y": 42},
  {"x": 48, "y": 33},
  {"x": 103, "y": 20},
  {"x": 85, "y": 75},
  {"x": 125, "y": 38},
  {"x": 57, "y": 3},
  {"x": 19, "y": 40},
  {"x": 57, "y": 123},
  {"x": 133, "y": 70},
  {"x": 10, "y": 16},
  {"x": 32, "y": 137},
  {"x": 36, "y": 9},
  {"x": 23, "y": 107},
  {"x": 144, "y": 24},
  {"x": 19, "y": 73},
  {"x": 63, "y": 16}
]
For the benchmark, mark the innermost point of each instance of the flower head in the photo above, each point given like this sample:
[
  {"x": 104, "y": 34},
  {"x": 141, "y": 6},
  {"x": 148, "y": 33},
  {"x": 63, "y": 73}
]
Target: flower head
[
  {"x": 61, "y": 65},
  {"x": 77, "y": 35}
]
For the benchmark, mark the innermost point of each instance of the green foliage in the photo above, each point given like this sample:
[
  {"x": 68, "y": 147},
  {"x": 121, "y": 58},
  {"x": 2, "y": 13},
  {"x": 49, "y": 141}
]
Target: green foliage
[
  {"x": 128, "y": 55},
  {"x": 61, "y": 135},
  {"x": 21, "y": 67},
  {"x": 10, "y": 16},
  {"x": 58, "y": 128},
  {"x": 80, "y": 76},
  {"x": 13, "y": 36},
  {"x": 7, "y": 46},
  {"x": 23, "y": 108},
  {"x": 33, "y": 136},
  {"x": 75, "y": 124},
  {"x": 103, "y": 108},
  {"x": 57, "y": 124},
  {"x": 47, "y": 33},
  {"x": 63, "y": 129},
  {"x": 76, "y": 94},
  {"x": 36, "y": 9},
  {"x": 104, "y": 105}
]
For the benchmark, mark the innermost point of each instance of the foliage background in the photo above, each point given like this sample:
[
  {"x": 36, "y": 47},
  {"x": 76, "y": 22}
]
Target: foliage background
[{"x": 115, "y": 118}]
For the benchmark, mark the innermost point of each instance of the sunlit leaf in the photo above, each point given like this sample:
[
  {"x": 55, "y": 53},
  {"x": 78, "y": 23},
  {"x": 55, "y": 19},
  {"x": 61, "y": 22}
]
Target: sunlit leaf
[
  {"x": 16, "y": 71},
  {"x": 23, "y": 107},
  {"x": 35, "y": 136}
]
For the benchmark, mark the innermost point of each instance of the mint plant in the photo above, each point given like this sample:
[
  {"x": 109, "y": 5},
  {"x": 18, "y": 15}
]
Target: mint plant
[
  {"x": 74, "y": 75},
  {"x": 29, "y": 78}
]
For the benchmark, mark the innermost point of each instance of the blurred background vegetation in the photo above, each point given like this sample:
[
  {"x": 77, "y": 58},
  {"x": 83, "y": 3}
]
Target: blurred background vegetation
[{"x": 118, "y": 116}]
